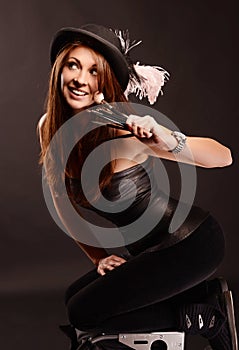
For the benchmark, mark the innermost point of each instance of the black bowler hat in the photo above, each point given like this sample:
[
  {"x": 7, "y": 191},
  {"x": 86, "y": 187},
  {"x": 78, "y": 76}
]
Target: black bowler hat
[{"x": 99, "y": 38}]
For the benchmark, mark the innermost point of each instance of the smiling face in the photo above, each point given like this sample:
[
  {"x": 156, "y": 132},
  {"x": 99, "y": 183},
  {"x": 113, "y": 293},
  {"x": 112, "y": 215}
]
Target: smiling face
[{"x": 79, "y": 79}]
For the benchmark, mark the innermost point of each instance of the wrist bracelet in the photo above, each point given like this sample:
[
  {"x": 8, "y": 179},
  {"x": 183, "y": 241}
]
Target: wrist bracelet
[{"x": 181, "y": 138}]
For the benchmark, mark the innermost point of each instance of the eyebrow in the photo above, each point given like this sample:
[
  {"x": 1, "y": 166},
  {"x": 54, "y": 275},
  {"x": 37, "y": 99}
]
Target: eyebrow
[{"x": 79, "y": 62}]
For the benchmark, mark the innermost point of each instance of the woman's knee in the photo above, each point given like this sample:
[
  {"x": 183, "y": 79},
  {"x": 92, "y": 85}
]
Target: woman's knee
[
  {"x": 80, "y": 283},
  {"x": 81, "y": 314}
]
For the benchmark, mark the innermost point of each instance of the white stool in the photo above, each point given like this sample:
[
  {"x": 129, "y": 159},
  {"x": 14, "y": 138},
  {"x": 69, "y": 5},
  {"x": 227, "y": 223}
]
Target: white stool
[{"x": 147, "y": 341}]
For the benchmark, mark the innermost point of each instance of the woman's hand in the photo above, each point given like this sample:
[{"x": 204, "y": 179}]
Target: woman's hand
[
  {"x": 109, "y": 263},
  {"x": 150, "y": 132}
]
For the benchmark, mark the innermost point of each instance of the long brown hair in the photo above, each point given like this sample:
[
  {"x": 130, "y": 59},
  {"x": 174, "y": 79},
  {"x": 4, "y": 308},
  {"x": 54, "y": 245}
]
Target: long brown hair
[{"x": 58, "y": 112}]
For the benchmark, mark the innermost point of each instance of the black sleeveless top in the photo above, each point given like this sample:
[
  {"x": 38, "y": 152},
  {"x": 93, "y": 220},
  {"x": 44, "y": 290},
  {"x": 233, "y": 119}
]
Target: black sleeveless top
[{"x": 133, "y": 191}]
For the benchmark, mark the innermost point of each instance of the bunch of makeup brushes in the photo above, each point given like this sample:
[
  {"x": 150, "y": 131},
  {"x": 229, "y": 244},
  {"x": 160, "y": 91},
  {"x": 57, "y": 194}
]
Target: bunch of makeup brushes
[{"x": 108, "y": 112}]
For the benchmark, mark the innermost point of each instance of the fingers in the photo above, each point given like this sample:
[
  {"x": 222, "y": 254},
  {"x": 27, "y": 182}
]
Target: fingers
[
  {"x": 139, "y": 130},
  {"x": 109, "y": 264},
  {"x": 141, "y": 126}
]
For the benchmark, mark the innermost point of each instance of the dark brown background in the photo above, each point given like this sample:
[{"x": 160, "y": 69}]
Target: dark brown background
[{"x": 196, "y": 41}]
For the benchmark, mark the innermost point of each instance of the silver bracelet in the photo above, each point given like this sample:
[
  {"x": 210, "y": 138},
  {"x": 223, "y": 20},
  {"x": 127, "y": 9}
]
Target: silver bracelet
[{"x": 181, "y": 138}]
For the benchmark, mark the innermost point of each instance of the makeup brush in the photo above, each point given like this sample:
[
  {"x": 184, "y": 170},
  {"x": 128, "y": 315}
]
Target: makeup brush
[
  {"x": 99, "y": 99},
  {"x": 108, "y": 112}
]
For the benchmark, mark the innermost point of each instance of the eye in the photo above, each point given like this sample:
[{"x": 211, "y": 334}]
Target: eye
[
  {"x": 72, "y": 65},
  {"x": 93, "y": 71}
]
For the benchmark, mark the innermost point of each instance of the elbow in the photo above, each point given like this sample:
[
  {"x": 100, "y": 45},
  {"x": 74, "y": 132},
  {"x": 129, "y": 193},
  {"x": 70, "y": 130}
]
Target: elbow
[{"x": 225, "y": 159}]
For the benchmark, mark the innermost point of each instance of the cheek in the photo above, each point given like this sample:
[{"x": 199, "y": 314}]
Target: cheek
[
  {"x": 95, "y": 84},
  {"x": 65, "y": 77},
  {"x": 62, "y": 81}
]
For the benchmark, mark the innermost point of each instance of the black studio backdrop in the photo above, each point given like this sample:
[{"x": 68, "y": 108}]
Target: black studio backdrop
[{"x": 196, "y": 41}]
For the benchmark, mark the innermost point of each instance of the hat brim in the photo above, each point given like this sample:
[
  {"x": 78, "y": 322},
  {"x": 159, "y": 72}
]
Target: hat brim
[{"x": 109, "y": 51}]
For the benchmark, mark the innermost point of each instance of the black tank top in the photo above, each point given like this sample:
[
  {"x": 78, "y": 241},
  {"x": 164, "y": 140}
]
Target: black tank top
[{"x": 133, "y": 191}]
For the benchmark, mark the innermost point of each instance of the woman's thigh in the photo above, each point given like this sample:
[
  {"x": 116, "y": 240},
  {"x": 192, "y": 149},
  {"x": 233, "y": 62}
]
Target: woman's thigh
[
  {"x": 149, "y": 278},
  {"x": 79, "y": 284}
]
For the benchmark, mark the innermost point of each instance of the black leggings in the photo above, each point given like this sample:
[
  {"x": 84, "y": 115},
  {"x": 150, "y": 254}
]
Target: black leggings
[{"x": 136, "y": 289}]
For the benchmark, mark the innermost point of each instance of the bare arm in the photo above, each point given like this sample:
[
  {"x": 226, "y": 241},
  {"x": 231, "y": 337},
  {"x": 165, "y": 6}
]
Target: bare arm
[
  {"x": 200, "y": 151},
  {"x": 65, "y": 215},
  {"x": 95, "y": 254},
  {"x": 99, "y": 256}
]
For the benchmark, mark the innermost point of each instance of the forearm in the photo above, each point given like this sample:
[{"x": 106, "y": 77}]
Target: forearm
[
  {"x": 76, "y": 230},
  {"x": 93, "y": 253},
  {"x": 200, "y": 151}
]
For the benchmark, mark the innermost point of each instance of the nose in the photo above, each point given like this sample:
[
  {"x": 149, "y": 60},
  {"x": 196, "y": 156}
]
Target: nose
[{"x": 81, "y": 78}]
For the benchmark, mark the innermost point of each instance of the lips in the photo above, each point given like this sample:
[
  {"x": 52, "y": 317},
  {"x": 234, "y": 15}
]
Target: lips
[{"x": 78, "y": 92}]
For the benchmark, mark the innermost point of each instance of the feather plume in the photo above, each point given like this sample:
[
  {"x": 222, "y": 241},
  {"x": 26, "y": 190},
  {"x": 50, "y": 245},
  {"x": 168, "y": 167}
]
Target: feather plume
[
  {"x": 149, "y": 82},
  {"x": 145, "y": 81},
  {"x": 126, "y": 43}
]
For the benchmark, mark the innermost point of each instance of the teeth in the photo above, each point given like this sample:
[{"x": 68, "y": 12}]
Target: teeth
[{"x": 79, "y": 93}]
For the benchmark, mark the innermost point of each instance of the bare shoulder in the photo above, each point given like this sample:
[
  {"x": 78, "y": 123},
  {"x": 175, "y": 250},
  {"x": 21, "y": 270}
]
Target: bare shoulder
[
  {"x": 39, "y": 126},
  {"x": 41, "y": 121}
]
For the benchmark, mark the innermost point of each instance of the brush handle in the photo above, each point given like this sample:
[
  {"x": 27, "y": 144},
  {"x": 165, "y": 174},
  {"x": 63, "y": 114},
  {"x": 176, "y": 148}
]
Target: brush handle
[
  {"x": 111, "y": 114},
  {"x": 115, "y": 110}
]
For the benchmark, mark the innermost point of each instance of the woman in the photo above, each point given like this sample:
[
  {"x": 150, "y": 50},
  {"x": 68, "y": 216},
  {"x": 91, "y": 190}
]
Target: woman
[{"x": 160, "y": 267}]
